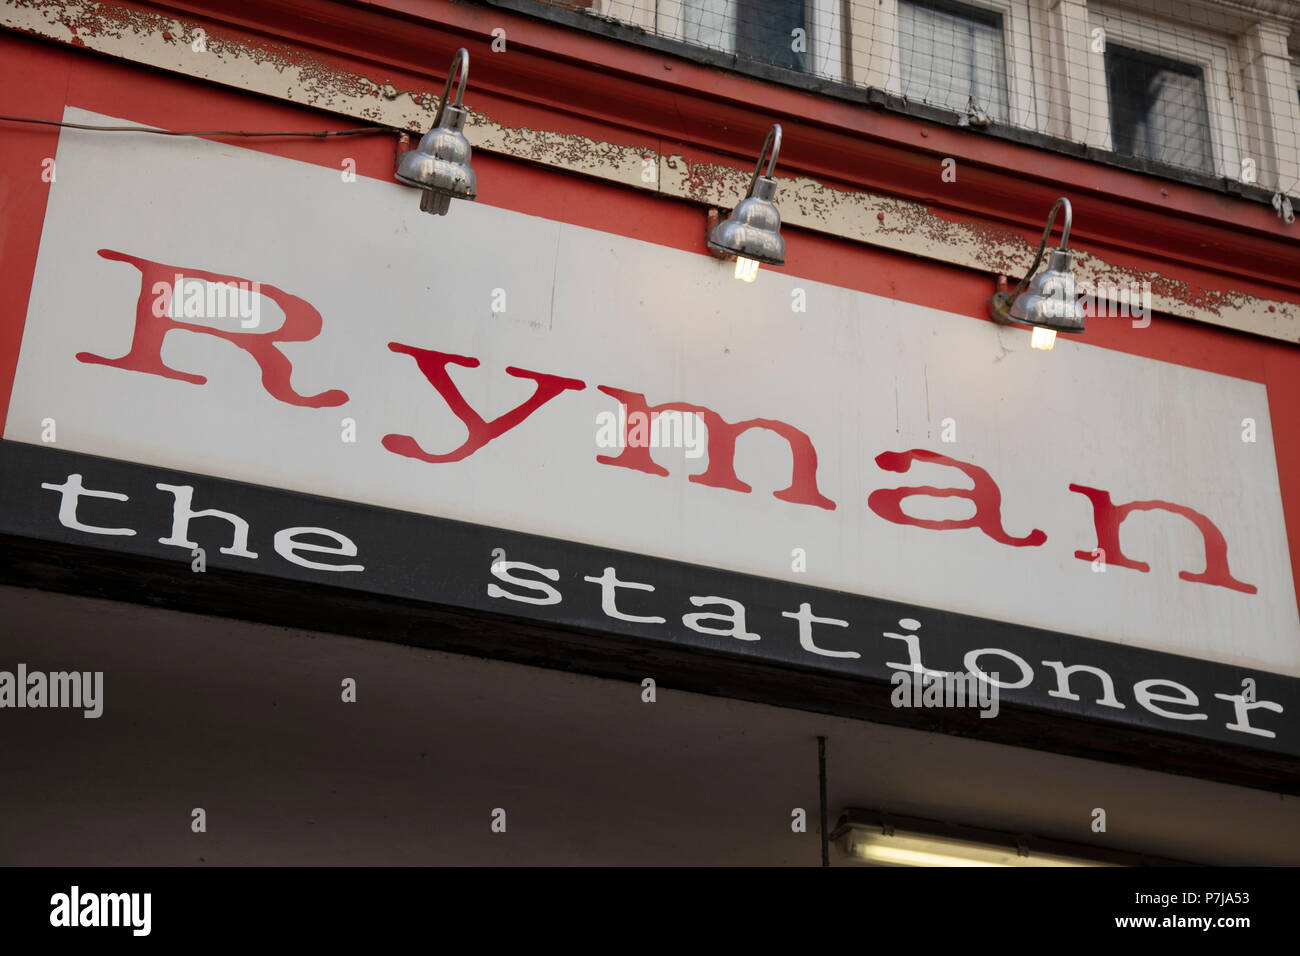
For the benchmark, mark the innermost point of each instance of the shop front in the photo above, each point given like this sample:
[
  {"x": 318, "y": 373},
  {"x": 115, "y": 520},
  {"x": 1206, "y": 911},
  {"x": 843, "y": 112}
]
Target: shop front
[{"x": 534, "y": 511}]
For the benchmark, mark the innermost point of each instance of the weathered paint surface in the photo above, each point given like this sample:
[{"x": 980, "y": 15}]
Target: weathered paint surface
[
  {"x": 913, "y": 228},
  {"x": 288, "y": 73}
]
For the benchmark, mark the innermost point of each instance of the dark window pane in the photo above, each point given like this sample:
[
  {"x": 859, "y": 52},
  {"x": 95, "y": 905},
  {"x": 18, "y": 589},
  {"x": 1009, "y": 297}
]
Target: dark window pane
[
  {"x": 1158, "y": 108},
  {"x": 764, "y": 31},
  {"x": 754, "y": 29}
]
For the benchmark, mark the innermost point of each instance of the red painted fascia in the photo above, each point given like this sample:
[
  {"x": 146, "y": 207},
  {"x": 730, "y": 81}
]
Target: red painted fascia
[{"x": 570, "y": 81}]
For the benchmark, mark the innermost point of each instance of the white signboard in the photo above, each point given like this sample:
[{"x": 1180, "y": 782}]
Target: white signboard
[{"x": 488, "y": 366}]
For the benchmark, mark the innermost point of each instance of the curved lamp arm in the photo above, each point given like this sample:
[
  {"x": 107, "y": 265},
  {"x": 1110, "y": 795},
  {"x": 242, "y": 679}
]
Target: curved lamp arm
[
  {"x": 1065, "y": 241},
  {"x": 774, "y": 141},
  {"x": 462, "y": 58}
]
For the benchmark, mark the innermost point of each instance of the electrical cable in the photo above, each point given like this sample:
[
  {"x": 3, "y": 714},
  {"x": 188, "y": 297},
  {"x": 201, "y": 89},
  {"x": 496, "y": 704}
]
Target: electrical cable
[
  {"x": 821, "y": 784},
  {"x": 318, "y": 134}
]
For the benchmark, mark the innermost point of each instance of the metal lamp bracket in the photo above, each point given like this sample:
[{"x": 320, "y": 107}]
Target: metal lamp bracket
[
  {"x": 773, "y": 142},
  {"x": 711, "y": 220},
  {"x": 1000, "y": 304},
  {"x": 461, "y": 59}
]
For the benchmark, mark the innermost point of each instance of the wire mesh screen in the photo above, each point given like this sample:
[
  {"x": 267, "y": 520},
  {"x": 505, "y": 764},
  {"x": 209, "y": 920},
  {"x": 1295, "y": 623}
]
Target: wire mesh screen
[
  {"x": 1158, "y": 108},
  {"x": 953, "y": 57},
  {"x": 1203, "y": 86},
  {"x": 762, "y": 30}
]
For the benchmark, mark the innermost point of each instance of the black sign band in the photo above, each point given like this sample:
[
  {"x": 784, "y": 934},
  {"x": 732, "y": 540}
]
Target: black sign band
[{"x": 222, "y": 547}]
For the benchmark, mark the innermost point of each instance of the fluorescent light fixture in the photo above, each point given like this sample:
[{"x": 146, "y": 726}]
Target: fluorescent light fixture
[
  {"x": 746, "y": 269},
  {"x": 886, "y": 840},
  {"x": 1042, "y": 338}
]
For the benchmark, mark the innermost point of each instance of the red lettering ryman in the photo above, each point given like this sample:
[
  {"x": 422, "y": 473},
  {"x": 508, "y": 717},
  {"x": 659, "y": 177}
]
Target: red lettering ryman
[{"x": 302, "y": 323}]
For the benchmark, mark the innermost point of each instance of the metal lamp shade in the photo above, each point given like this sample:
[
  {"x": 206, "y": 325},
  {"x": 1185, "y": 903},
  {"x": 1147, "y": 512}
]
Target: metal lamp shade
[
  {"x": 440, "y": 165},
  {"x": 753, "y": 230},
  {"x": 1050, "y": 301}
]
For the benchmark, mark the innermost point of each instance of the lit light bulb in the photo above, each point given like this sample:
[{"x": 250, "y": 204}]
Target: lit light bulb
[
  {"x": 1042, "y": 339},
  {"x": 746, "y": 269}
]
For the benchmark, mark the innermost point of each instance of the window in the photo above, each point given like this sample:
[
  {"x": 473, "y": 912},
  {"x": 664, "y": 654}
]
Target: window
[
  {"x": 1192, "y": 93},
  {"x": 1158, "y": 108},
  {"x": 951, "y": 54},
  {"x": 762, "y": 30}
]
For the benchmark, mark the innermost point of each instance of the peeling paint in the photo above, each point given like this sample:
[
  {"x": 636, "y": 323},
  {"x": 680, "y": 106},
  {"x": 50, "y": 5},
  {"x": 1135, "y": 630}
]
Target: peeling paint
[
  {"x": 284, "y": 72},
  {"x": 915, "y": 229},
  {"x": 567, "y": 151}
]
